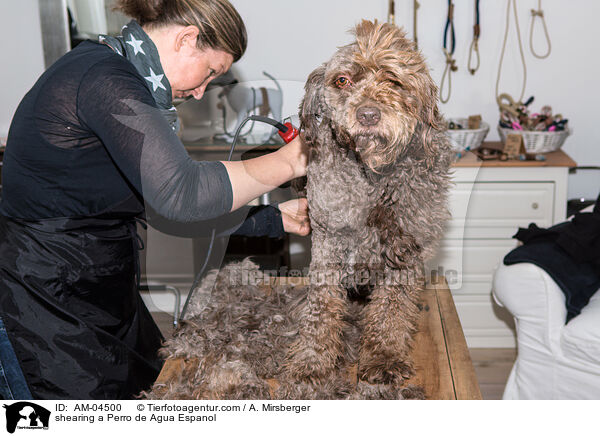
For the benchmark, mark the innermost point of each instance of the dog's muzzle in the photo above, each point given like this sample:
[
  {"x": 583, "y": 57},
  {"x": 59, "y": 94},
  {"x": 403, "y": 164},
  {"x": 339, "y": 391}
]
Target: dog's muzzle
[{"x": 368, "y": 116}]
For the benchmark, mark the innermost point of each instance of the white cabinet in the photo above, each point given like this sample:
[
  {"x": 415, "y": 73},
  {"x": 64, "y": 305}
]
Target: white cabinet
[{"x": 489, "y": 202}]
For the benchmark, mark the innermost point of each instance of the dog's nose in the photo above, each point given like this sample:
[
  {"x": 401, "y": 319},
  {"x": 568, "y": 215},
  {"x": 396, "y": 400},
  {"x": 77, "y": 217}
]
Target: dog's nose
[{"x": 368, "y": 116}]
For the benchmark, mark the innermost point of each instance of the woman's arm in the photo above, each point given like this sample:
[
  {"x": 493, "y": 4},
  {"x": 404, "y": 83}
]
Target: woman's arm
[
  {"x": 253, "y": 177},
  {"x": 290, "y": 216},
  {"x": 115, "y": 104}
]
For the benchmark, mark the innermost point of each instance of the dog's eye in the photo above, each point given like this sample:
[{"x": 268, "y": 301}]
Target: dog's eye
[
  {"x": 397, "y": 84},
  {"x": 343, "y": 82}
]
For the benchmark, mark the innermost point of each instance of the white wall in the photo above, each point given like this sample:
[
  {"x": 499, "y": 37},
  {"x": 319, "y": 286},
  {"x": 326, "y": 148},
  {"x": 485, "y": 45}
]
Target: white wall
[
  {"x": 22, "y": 55},
  {"x": 289, "y": 39}
]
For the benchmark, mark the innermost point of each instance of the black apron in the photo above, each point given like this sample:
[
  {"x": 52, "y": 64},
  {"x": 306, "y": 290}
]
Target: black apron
[{"x": 72, "y": 310}]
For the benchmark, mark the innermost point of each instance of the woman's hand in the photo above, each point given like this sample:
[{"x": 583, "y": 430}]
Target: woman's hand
[
  {"x": 294, "y": 214},
  {"x": 253, "y": 177},
  {"x": 296, "y": 154}
]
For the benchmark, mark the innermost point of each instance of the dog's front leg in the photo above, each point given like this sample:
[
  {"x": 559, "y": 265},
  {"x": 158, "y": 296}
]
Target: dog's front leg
[
  {"x": 314, "y": 355},
  {"x": 389, "y": 323}
]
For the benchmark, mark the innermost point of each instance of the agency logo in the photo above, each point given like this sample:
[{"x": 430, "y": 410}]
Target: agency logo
[{"x": 26, "y": 415}]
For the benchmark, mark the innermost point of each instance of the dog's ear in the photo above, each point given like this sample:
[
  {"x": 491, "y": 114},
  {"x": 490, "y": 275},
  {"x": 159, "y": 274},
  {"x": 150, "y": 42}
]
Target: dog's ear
[
  {"x": 430, "y": 118},
  {"x": 430, "y": 114},
  {"x": 312, "y": 106}
]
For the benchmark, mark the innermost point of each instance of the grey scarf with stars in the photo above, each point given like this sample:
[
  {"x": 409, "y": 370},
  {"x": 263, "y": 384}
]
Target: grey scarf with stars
[{"x": 135, "y": 45}]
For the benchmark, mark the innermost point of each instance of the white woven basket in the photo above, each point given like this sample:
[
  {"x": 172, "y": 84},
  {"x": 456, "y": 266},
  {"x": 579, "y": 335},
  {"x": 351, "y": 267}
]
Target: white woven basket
[
  {"x": 537, "y": 142},
  {"x": 467, "y": 139}
]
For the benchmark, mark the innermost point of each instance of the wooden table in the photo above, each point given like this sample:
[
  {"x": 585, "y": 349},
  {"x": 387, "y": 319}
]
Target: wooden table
[{"x": 442, "y": 361}]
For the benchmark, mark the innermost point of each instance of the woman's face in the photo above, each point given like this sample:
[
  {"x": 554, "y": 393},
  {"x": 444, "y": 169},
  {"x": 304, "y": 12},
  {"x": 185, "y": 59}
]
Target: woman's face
[{"x": 195, "y": 68}]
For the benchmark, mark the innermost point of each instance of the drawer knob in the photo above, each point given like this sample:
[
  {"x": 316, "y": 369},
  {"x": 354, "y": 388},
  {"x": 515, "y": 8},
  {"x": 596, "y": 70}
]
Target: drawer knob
[{"x": 535, "y": 206}]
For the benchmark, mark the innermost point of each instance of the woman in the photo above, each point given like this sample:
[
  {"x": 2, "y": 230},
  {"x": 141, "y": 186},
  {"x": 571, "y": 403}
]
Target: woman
[{"x": 91, "y": 149}]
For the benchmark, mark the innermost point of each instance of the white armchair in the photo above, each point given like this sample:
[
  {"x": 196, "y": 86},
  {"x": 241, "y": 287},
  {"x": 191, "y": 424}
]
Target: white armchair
[{"x": 554, "y": 360}]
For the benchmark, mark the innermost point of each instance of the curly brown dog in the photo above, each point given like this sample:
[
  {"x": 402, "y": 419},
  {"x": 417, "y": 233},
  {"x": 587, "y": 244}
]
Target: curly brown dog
[{"x": 377, "y": 184}]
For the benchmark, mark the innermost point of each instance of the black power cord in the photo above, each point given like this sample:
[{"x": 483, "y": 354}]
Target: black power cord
[{"x": 283, "y": 128}]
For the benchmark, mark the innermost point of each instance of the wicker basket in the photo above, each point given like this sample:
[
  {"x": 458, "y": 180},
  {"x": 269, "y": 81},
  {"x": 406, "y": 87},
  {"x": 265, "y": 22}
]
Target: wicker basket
[
  {"x": 537, "y": 142},
  {"x": 467, "y": 139}
]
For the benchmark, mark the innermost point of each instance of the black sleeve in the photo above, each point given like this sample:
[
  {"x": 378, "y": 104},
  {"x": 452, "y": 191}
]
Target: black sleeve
[
  {"x": 246, "y": 221},
  {"x": 262, "y": 221},
  {"x": 114, "y": 103}
]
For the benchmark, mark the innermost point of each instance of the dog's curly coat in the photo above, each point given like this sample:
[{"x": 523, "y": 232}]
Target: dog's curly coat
[{"x": 377, "y": 187}]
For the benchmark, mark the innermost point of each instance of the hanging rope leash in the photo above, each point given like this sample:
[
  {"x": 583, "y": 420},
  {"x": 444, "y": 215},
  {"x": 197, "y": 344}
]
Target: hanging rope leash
[
  {"x": 416, "y": 7},
  {"x": 391, "y": 12},
  {"x": 501, "y": 98},
  {"x": 475, "y": 43},
  {"x": 539, "y": 13},
  {"x": 448, "y": 53}
]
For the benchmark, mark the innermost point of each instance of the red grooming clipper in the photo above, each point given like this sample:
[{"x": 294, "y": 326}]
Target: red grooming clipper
[{"x": 289, "y": 134}]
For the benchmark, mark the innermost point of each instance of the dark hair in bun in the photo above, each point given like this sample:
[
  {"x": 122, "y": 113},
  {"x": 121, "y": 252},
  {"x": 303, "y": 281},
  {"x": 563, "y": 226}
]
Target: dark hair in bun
[{"x": 220, "y": 25}]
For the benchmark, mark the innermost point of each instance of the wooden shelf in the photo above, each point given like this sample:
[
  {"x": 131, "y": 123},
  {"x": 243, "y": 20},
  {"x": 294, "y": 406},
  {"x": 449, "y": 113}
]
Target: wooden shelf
[{"x": 555, "y": 159}]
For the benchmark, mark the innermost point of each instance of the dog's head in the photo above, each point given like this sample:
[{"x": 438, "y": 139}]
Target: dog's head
[{"x": 375, "y": 95}]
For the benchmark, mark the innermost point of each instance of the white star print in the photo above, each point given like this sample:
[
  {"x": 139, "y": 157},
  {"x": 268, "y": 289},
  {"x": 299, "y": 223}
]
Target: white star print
[
  {"x": 156, "y": 80},
  {"x": 136, "y": 44}
]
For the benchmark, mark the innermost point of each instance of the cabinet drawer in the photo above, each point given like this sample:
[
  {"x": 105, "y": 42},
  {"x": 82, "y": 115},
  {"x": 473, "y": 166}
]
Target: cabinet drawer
[
  {"x": 469, "y": 265},
  {"x": 497, "y": 210}
]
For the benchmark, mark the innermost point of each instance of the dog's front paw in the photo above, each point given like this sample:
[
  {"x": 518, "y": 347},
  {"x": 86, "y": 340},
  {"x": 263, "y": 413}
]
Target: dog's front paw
[
  {"x": 371, "y": 391},
  {"x": 413, "y": 392},
  {"x": 306, "y": 363},
  {"x": 385, "y": 371}
]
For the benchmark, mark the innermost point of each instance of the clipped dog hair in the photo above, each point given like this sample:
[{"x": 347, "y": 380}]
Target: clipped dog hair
[{"x": 233, "y": 342}]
